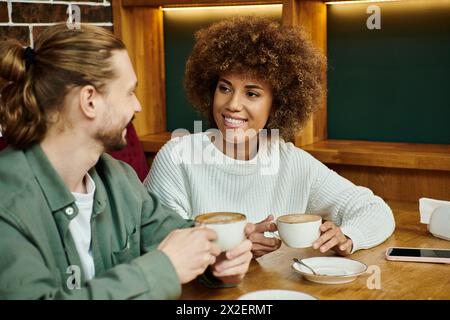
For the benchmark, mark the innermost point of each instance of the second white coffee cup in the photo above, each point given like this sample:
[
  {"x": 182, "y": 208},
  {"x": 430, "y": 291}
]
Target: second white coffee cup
[{"x": 299, "y": 230}]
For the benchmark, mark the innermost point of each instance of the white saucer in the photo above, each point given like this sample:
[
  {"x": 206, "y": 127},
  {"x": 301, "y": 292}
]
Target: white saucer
[
  {"x": 276, "y": 295},
  {"x": 331, "y": 270}
]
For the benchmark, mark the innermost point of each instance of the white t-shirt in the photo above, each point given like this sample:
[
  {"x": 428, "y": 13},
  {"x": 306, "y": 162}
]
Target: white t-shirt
[{"x": 80, "y": 227}]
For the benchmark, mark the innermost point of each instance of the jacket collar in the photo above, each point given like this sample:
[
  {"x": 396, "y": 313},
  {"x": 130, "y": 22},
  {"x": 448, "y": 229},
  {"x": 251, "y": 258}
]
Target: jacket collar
[{"x": 57, "y": 194}]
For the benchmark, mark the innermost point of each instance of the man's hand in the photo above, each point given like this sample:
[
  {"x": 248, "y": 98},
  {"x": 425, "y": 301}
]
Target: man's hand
[
  {"x": 261, "y": 244},
  {"x": 231, "y": 266},
  {"x": 190, "y": 251},
  {"x": 333, "y": 238}
]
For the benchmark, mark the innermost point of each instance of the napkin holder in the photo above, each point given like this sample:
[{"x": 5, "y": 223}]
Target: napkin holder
[{"x": 439, "y": 225}]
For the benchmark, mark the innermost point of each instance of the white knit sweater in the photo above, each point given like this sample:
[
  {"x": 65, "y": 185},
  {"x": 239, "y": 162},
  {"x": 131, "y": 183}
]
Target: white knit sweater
[{"x": 192, "y": 176}]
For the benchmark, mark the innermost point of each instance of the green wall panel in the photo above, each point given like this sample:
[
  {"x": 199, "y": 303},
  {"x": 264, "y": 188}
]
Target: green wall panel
[{"x": 391, "y": 84}]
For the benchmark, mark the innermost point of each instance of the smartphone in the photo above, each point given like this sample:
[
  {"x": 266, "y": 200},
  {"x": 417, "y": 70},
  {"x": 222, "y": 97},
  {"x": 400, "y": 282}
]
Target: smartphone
[{"x": 433, "y": 255}]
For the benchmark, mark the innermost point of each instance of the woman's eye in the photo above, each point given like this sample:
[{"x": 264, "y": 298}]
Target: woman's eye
[
  {"x": 224, "y": 89},
  {"x": 252, "y": 94}
]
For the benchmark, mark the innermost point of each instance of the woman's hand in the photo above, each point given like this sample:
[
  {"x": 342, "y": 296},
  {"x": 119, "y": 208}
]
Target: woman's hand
[
  {"x": 333, "y": 238},
  {"x": 261, "y": 244},
  {"x": 231, "y": 266}
]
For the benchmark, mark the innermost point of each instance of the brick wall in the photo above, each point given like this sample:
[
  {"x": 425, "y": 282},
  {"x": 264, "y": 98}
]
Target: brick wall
[{"x": 24, "y": 19}]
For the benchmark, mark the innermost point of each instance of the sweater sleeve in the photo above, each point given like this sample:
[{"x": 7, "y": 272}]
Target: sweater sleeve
[
  {"x": 363, "y": 217},
  {"x": 168, "y": 181}
]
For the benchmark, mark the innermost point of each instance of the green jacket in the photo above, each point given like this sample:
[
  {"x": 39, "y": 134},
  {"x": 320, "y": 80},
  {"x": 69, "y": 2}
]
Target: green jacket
[{"x": 38, "y": 256}]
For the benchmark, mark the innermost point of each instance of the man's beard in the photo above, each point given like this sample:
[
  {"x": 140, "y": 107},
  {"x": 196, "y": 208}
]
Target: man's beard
[{"x": 112, "y": 140}]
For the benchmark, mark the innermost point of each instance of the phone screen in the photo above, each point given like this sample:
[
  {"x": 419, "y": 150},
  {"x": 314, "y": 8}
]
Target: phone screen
[{"x": 426, "y": 253}]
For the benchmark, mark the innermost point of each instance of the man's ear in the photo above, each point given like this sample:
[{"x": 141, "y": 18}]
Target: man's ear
[{"x": 89, "y": 101}]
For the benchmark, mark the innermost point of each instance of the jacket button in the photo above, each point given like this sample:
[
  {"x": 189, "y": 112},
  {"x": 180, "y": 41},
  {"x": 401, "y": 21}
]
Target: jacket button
[{"x": 69, "y": 211}]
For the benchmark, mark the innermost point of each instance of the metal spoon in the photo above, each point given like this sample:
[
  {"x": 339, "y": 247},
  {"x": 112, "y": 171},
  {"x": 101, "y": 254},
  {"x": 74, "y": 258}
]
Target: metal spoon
[{"x": 304, "y": 264}]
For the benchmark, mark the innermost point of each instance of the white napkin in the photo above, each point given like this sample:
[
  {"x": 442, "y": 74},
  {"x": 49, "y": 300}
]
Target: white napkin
[{"x": 427, "y": 206}]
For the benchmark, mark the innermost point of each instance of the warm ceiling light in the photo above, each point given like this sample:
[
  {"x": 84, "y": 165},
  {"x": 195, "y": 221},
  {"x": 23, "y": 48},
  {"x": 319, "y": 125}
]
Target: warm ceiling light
[
  {"x": 361, "y": 1},
  {"x": 255, "y": 6}
]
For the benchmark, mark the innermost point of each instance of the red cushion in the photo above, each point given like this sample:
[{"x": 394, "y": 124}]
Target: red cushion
[
  {"x": 3, "y": 143},
  {"x": 133, "y": 154}
]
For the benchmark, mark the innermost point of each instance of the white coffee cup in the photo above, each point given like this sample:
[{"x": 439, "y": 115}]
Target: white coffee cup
[
  {"x": 299, "y": 230},
  {"x": 229, "y": 227}
]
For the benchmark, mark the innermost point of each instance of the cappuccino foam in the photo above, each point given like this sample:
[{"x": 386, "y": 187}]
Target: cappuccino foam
[
  {"x": 220, "y": 217},
  {"x": 298, "y": 218}
]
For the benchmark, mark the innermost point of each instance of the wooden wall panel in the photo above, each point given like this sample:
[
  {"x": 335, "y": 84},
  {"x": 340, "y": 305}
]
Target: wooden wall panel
[
  {"x": 382, "y": 154},
  {"x": 399, "y": 184},
  {"x": 312, "y": 17},
  {"x": 141, "y": 29}
]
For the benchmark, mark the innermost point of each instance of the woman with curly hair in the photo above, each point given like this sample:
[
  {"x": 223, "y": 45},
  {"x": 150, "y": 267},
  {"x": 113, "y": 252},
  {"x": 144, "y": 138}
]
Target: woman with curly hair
[{"x": 254, "y": 79}]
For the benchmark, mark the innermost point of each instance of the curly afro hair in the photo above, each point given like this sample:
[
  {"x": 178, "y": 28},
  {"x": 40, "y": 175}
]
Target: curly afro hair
[{"x": 281, "y": 56}]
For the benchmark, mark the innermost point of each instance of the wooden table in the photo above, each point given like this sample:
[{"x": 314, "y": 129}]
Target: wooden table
[{"x": 399, "y": 280}]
